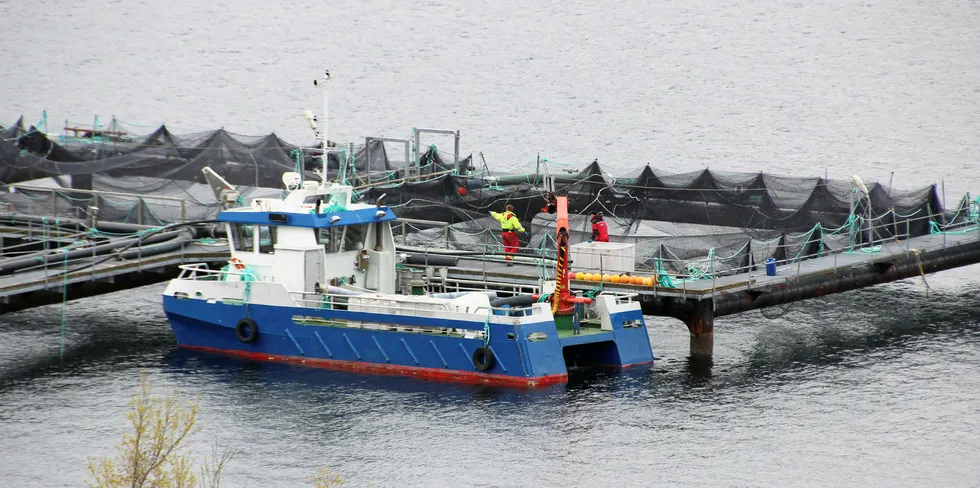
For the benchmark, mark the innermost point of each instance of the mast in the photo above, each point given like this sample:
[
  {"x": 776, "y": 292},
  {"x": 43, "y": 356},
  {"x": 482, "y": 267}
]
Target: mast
[{"x": 326, "y": 125}]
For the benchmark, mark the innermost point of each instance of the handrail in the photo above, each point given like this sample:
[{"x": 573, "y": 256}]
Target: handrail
[{"x": 13, "y": 186}]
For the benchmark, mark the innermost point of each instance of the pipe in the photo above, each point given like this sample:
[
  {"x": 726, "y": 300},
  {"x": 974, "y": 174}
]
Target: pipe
[
  {"x": 433, "y": 260},
  {"x": 453, "y": 252},
  {"x": 142, "y": 238},
  {"x": 436, "y": 250},
  {"x": 518, "y": 300},
  {"x": 336, "y": 290},
  {"x": 57, "y": 255},
  {"x": 173, "y": 244},
  {"x": 456, "y": 294}
]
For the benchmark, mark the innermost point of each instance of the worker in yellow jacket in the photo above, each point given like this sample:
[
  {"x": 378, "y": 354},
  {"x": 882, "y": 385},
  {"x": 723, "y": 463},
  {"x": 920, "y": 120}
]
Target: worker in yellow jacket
[{"x": 509, "y": 227}]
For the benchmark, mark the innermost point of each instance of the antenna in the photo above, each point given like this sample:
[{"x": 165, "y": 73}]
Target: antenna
[{"x": 322, "y": 135}]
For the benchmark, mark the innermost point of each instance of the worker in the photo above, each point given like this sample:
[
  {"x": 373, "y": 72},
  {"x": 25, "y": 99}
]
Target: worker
[
  {"x": 509, "y": 227},
  {"x": 600, "y": 232}
]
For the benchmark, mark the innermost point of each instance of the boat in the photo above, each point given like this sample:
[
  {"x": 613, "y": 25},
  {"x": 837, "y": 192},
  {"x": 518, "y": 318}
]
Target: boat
[{"x": 314, "y": 279}]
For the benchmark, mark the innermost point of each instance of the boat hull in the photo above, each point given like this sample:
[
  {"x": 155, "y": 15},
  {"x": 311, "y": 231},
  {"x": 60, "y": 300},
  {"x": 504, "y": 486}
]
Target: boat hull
[
  {"x": 205, "y": 326},
  {"x": 525, "y": 354}
]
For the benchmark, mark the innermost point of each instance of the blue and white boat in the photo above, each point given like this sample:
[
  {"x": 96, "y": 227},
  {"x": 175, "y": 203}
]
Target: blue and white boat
[{"x": 313, "y": 279}]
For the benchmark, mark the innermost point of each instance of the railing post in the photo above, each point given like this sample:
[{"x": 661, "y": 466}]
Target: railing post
[
  {"x": 894, "y": 222},
  {"x": 711, "y": 266},
  {"x": 456, "y": 151},
  {"x": 944, "y": 213},
  {"x": 908, "y": 237}
]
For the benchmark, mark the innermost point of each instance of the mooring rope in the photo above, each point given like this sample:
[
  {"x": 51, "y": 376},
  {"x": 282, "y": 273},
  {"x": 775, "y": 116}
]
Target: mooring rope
[{"x": 922, "y": 271}]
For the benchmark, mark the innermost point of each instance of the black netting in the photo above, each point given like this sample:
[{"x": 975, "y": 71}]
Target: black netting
[{"x": 698, "y": 219}]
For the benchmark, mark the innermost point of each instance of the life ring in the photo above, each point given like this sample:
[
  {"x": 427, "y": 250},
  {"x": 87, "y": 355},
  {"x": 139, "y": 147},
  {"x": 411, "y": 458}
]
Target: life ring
[
  {"x": 247, "y": 330},
  {"x": 482, "y": 358},
  {"x": 237, "y": 263}
]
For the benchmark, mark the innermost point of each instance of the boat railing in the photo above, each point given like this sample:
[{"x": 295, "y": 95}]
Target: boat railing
[
  {"x": 383, "y": 305},
  {"x": 451, "y": 284},
  {"x": 201, "y": 272},
  {"x": 326, "y": 300},
  {"x": 621, "y": 297}
]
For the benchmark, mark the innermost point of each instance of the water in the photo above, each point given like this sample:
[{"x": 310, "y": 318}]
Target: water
[{"x": 877, "y": 387}]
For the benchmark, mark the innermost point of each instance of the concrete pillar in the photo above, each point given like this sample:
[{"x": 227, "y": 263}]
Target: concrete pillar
[{"x": 701, "y": 324}]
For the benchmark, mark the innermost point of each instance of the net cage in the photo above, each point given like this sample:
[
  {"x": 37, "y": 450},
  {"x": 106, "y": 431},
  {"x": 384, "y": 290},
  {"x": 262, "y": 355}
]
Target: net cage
[{"x": 697, "y": 223}]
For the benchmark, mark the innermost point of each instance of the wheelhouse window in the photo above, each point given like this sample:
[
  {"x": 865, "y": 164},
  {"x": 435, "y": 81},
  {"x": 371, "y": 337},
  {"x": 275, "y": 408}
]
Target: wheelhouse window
[
  {"x": 243, "y": 236},
  {"x": 346, "y": 238},
  {"x": 267, "y": 238},
  {"x": 354, "y": 237}
]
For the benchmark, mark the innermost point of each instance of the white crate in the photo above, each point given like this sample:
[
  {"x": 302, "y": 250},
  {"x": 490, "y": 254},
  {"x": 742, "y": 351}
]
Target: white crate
[{"x": 610, "y": 257}]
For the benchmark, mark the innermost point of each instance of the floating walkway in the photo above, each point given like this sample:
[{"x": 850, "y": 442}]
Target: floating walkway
[
  {"x": 694, "y": 300},
  {"x": 698, "y": 302}
]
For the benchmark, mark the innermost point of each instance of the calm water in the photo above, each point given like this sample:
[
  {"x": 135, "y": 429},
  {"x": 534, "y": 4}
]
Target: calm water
[{"x": 879, "y": 387}]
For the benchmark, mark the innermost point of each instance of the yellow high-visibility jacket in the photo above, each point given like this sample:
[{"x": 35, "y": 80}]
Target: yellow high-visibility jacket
[{"x": 508, "y": 221}]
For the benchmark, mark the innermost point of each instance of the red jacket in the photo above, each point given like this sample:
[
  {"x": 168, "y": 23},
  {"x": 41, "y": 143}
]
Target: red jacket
[{"x": 599, "y": 231}]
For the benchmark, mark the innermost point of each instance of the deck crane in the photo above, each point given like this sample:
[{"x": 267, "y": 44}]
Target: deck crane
[{"x": 562, "y": 300}]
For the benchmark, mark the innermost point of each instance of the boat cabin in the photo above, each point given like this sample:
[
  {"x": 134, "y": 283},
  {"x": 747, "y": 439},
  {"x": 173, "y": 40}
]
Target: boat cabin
[{"x": 315, "y": 236}]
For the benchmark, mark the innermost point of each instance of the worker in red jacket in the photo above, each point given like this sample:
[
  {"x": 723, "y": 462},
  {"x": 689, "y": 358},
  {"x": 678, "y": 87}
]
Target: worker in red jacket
[{"x": 600, "y": 232}]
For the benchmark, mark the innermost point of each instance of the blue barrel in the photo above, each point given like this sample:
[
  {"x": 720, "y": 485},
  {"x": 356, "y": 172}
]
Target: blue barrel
[
  {"x": 771, "y": 267},
  {"x": 502, "y": 310}
]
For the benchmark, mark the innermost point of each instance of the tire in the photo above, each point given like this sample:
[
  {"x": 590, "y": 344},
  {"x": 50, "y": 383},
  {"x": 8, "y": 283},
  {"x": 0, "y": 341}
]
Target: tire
[
  {"x": 483, "y": 358},
  {"x": 247, "y": 331}
]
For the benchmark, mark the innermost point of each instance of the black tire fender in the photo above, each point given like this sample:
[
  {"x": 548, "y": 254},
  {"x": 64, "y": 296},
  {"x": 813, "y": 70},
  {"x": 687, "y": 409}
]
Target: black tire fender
[
  {"x": 483, "y": 358},
  {"x": 247, "y": 330}
]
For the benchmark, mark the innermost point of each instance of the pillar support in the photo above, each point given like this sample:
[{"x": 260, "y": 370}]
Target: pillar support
[{"x": 701, "y": 323}]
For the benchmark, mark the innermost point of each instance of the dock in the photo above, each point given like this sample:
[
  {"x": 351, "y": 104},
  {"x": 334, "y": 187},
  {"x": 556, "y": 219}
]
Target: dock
[
  {"x": 697, "y": 303},
  {"x": 139, "y": 211},
  {"x": 64, "y": 271}
]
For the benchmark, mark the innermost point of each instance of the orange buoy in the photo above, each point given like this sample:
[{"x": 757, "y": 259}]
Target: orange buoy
[
  {"x": 580, "y": 276},
  {"x": 647, "y": 282},
  {"x": 597, "y": 277},
  {"x": 634, "y": 280},
  {"x": 624, "y": 279},
  {"x": 614, "y": 279},
  {"x": 605, "y": 278},
  {"x": 585, "y": 276}
]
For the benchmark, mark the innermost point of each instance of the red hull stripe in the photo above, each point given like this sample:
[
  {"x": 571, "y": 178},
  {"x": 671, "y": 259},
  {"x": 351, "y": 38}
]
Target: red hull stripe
[{"x": 397, "y": 370}]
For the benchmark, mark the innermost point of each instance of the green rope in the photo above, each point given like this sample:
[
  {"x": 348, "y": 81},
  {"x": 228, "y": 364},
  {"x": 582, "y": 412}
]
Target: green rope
[
  {"x": 334, "y": 207},
  {"x": 594, "y": 291},
  {"x": 248, "y": 276},
  {"x": 663, "y": 279},
  {"x": 935, "y": 229},
  {"x": 486, "y": 329}
]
